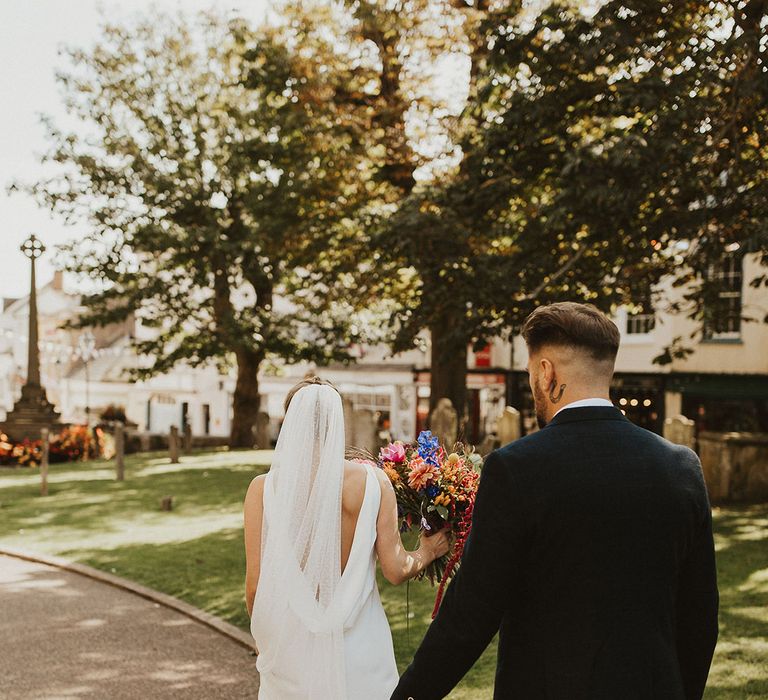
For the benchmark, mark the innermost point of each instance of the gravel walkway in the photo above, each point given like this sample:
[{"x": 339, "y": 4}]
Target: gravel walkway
[{"x": 63, "y": 635}]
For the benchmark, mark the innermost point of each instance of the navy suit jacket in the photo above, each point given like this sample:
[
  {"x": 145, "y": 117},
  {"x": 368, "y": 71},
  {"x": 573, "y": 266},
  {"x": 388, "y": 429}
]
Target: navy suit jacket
[{"x": 591, "y": 555}]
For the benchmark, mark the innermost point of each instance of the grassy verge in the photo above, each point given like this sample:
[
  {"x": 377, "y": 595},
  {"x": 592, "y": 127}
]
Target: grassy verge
[{"x": 195, "y": 552}]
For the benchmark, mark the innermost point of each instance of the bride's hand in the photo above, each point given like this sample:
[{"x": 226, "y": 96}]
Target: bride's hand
[{"x": 435, "y": 546}]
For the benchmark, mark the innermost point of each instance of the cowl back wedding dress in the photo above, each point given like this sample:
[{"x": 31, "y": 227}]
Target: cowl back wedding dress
[{"x": 321, "y": 632}]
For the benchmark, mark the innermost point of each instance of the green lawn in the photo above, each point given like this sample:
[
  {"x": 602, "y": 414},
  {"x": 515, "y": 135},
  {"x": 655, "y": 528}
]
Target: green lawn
[{"x": 195, "y": 552}]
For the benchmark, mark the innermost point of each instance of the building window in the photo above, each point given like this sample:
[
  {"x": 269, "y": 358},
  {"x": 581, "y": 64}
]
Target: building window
[
  {"x": 641, "y": 318},
  {"x": 379, "y": 404},
  {"x": 206, "y": 419},
  {"x": 722, "y": 317},
  {"x": 640, "y": 323},
  {"x": 371, "y": 402}
]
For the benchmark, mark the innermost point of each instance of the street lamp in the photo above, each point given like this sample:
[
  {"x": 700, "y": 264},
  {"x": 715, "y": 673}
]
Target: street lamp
[{"x": 86, "y": 344}]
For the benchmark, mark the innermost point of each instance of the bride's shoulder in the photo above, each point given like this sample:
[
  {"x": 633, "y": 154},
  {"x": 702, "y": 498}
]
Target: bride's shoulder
[
  {"x": 360, "y": 471},
  {"x": 256, "y": 488},
  {"x": 354, "y": 470}
]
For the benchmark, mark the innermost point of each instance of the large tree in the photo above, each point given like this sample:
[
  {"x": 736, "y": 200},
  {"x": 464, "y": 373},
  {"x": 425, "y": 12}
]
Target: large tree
[
  {"x": 645, "y": 124},
  {"x": 213, "y": 175},
  {"x": 604, "y": 146},
  {"x": 418, "y": 46},
  {"x": 465, "y": 268}
]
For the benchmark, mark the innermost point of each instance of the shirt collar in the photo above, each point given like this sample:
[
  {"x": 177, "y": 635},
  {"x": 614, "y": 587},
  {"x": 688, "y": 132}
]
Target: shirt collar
[{"x": 585, "y": 402}]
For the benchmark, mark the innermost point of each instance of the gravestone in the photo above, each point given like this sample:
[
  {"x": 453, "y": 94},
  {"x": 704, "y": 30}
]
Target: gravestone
[
  {"x": 508, "y": 428},
  {"x": 173, "y": 444},
  {"x": 262, "y": 430},
  {"x": 120, "y": 450},
  {"x": 349, "y": 426},
  {"x": 364, "y": 431},
  {"x": 166, "y": 503},
  {"x": 444, "y": 423},
  {"x": 187, "y": 438},
  {"x": 680, "y": 430},
  {"x": 44, "y": 449},
  {"x": 488, "y": 444}
]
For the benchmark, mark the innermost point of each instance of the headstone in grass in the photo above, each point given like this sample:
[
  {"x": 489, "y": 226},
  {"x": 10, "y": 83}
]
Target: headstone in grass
[
  {"x": 680, "y": 430},
  {"x": 444, "y": 423},
  {"x": 349, "y": 425},
  {"x": 262, "y": 430},
  {"x": 365, "y": 431},
  {"x": 44, "y": 461},
  {"x": 166, "y": 503},
  {"x": 508, "y": 426},
  {"x": 120, "y": 450},
  {"x": 173, "y": 444}
]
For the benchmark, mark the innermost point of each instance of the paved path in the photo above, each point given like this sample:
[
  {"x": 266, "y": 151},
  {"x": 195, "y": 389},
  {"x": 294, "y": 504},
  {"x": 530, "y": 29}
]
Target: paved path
[{"x": 63, "y": 635}]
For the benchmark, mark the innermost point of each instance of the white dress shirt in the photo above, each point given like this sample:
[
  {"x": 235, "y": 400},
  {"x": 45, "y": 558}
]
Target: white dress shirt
[{"x": 585, "y": 402}]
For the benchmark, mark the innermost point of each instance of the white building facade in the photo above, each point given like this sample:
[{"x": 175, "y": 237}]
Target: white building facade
[{"x": 722, "y": 385}]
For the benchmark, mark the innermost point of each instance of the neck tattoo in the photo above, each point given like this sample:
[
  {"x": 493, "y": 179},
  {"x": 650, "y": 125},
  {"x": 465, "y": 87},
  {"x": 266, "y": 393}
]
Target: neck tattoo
[{"x": 558, "y": 398}]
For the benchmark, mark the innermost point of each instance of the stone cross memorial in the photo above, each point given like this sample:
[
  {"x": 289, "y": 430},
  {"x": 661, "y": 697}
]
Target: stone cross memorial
[{"x": 32, "y": 412}]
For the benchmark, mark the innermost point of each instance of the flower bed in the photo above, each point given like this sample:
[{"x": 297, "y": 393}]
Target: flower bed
[{"x": 71, "y": 443}]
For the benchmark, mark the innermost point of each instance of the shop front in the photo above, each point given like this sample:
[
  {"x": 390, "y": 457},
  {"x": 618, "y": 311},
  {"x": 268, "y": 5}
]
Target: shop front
[{"x": 723, "y": 402}]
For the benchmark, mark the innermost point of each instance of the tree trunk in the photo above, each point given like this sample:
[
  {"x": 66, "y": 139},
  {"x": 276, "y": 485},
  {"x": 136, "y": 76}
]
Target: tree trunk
[
  {"x": 448, "y": 368},
  {"x": 245, "y": 403}
]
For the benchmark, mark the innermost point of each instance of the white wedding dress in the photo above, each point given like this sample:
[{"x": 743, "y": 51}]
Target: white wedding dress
[{"x": 321, "y": 633}]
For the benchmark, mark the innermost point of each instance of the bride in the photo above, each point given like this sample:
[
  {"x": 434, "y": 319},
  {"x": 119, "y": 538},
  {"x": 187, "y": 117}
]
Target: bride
[{"x": 314, "y": 527}]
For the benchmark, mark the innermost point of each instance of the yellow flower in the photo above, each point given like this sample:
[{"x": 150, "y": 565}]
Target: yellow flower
[
  {"x": 391, "y": 472},
  {"x": 442, "y": 500}
]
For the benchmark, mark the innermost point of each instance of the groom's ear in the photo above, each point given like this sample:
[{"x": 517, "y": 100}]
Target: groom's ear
[{"x": 547, "y": 372}]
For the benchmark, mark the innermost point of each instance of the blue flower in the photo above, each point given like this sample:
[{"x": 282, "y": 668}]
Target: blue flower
[
  {"x": 428, "y": 447},
  {"x": 428, "y": 443},
  {"x": 432, "y": 490}
]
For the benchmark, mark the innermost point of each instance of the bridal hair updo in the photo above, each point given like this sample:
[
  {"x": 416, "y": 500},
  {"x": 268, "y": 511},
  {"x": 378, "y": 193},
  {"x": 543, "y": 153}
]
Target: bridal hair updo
[
  {"x": 309, "y": 381},
  {"x": 572, "y": 325}
]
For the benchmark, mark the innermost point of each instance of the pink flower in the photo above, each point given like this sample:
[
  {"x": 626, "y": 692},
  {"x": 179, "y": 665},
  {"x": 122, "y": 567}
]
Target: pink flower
[
  {"x": 394, "y": 452},
  {"x": 421, "y": 473}
]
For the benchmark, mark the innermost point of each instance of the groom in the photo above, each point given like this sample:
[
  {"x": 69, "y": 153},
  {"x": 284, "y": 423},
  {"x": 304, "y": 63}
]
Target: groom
[{"x": 591, "y": 550}]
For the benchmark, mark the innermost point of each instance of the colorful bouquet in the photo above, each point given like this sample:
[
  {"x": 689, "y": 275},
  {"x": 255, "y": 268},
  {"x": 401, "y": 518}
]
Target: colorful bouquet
[{"x": 434, "y": 490}]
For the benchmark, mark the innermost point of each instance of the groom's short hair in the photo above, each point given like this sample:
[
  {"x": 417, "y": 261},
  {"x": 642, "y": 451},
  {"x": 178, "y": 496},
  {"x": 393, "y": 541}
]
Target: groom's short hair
[{"x": 568, "y": 324}]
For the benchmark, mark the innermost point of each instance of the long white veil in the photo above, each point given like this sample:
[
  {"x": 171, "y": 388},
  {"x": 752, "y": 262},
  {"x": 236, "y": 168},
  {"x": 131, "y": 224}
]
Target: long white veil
[{"x": 301, "y": 541}]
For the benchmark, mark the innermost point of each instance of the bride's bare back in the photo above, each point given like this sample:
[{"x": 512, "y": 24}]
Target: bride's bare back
[
  {"x": 397, "y": 563},
  {"x": 352, "y": 494}
]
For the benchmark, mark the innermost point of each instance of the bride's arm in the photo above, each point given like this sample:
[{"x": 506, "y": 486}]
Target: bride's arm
[
  {"x": 252, "y": 516},
  {"x": 397, "y": 563}
]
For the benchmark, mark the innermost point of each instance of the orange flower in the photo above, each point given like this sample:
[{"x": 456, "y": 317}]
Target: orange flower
[
  {"x": 421, "y": 473},
  {"x": 442, "y": 499},
  {"x": 391, "y": 472}
]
